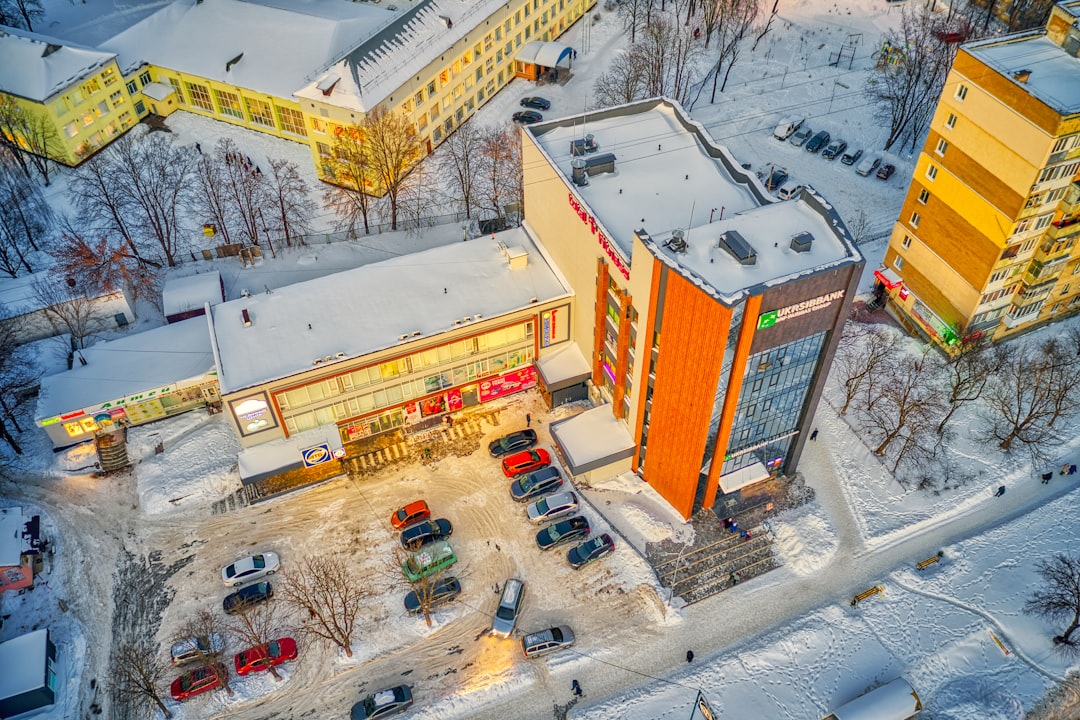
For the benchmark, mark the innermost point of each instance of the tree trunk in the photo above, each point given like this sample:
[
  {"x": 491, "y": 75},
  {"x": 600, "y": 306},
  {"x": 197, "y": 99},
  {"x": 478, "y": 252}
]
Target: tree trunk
[
  {"x": 161, "y": 706},
  {"x": 9, "y": 438}
]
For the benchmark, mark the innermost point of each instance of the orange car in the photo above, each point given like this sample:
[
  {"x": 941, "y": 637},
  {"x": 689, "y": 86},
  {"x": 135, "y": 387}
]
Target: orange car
[
  {"x": 523, "y": 462},
  {"x": 411, "y": 513}
]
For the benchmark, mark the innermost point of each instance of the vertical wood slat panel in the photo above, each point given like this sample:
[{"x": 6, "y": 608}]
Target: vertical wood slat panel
[
  {"x": 645, "y": 363},
  {"x": 600, "y": 315},
  {"x": 693, "y": 338},
  {"x": 622, "y": 353}
]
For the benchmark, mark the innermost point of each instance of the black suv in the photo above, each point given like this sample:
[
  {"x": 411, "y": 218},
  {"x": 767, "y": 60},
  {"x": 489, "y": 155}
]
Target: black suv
[{"x": 245, "y": 597}]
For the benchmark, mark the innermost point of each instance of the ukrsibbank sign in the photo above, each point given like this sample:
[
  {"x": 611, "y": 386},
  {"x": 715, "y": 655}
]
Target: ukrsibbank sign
[{"x": 768, "y": 319}]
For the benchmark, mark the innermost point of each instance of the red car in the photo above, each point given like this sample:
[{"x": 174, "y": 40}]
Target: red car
[
  {"x": 523, "y": 462},
  {"x": 197, "y": 681},
  {"x": 262, "y": 657},
  {"x": 411, "y": 513}
]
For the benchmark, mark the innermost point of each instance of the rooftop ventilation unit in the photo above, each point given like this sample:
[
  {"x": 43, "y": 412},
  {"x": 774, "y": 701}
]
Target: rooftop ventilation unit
[
  {"x": 1021, "y": 76},
  {"x": 339, "y": 355},
  {"x": 677, "y": 243},
  {"x": 416, "y": 333},
  {"x": 801, "y": 243},
  {"x": 577, "y": 172},
  {"x": 477, "y": 316},
  {"x": 467, "y": 318},
  {"x": 328, "y": 358},
  {"x": 228, "y": 65},
  {"x": 403, "y": 337},
  {"x": 317, "y": 361},
  {"x": 582, "y": 147},
  {"x": 737, "y": 246}
]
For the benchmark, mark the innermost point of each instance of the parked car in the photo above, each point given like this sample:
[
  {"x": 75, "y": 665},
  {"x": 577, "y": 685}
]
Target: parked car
[
  {"x": 834, "y": 149},
  {"x": 524, "y": 462},
  {"x": 564, "y": 531},
  {"x": 443, "y": 591},
  {"x": 263, "y": 657},
  {"x": 509, "y": 606},
  {"x": 552, "y": 507},
  {"x": 789, "y": 190},
  {"x": 245, "y": 597},
  {"x": 383, "y": 704},
  {"x": 250, "y": 568},
  {"x": 800, "y": 136},
  {"x": 536, "y": 103},
  {"x": 536, "y": 483},
  {"x": 428, "y": 561},
  {"x": 426, "y": 532},
  {"x": 527, "y": 117},
  {"x": 851, "y": 156},
  {"x": 885, "y": 171},
  {"x": 820, "y": 140},
  {"x": 200, "y": 680},
  {"x": 786, "y": 127},
  {"x": 196, "y": 648},
  {"x": 514, "y": 442},
  {"x": 412, "y": 513},
  {"x": 868, "y": 165},
  {"x": 583, "y": 554},
  {"x": 547, "y": 641},
  {"x": 775, "y": 177}
]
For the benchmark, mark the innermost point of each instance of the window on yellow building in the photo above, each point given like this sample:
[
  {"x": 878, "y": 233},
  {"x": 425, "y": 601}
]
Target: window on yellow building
[
  {"x": 528, "y": 33},
  {"x": 229, "y": 103},
  {"x": 444, "y": 77},
  {"x": 200, "y": 96},
  {"x": 498, "y": 33},
  {"x": 527, "y": 11},
  {"x": 459, "y": 90},
  {"x": 318, "y": 126},
  {"x": 418, "y": 98},
  {"x": 108, "y": 76},
  {"x": 457, "y": 67},
  {"x": 942, "y": 146},
  {"x": 406, "y": 107},
  {"x": 71, "y": 129},
  {"x": 176, "y": 88},
  {"x": 144, "y": 78},
  {"x": 132, "y": 88},
  {"x": 125, "y": 119},
  {"x": 430, "y": 89},
  {"x": 261, "y": 113},
  {"x": 914, "y": 221},
  {"x": 91, "y": 87},
  {"x": 446, "y": 102},
  {"x": 924, "y": 196},
  {"x": 931, "y": 172},
  {"x": 906, "y": 242},
  {"x": 898, "y": 263},
  {"x": 323, "y": 149},
  {"x": 140, "y": 107},
  {"x": 76, "y": 98},
  {"x": 421, "y": 122},
  {"x": 292, "y": 121},
  {"x": 435, "y": 113},
  {"x": 951, "y": 121},
  {"x": 116, "y": 98},
  {"x": 88, "y": 119},
  {"x": 961, "y": 92}
]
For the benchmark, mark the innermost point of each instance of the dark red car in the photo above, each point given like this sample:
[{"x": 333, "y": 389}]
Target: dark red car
[
  {"x": 197, "y": 681},
  {"x": 411, "y": 513},
  {"x": 523, "y": 462},
  {"x": 885, "y": 171},
  {"x": 260, "y": 658}
]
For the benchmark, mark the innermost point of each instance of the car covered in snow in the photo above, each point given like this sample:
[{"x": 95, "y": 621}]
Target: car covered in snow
[
  {"x": 800, "y": 136},
  {"x": 834, "y": 149},
  {"x": 786, "y": 128},
  {"x": 868, "y": 165},
  {"x": 851, "y": 156}
]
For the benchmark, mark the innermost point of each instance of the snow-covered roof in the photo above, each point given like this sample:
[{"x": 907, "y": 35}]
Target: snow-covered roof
[
  {"x": 592, "y": 436},
  {"x": 12, "y": 544},
  {"x": 167, "y": 356},
  {"x": 158, "y": 91},
  {"x": 894, "y": 701},
  {"x": 37, "y": 67},
  {"x": 357, "y": 312},
  {"x": 384, "y": 62},
  {"x": 23, "y": 660},
  {"x": 269, "y": 458},
  {"x": 671, "y": 177},
  {"x": 546, "y": 54},
  {"x": 1054, "y": 73},
  {"x": 278, "y": 44},
  {"x": 184, "y": 294},
  {"x": 18, "y": 296},
  {"x": 565, "y": 363}
]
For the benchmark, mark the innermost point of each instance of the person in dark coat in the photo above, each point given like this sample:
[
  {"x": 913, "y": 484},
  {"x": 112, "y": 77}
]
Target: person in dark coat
[
  {"x": 689, "y": 656},
  {"x": 813, "y": 435},
  {"x": 576, "y": 687},
  {"x": 528, "y": 419},
  {"x": 1000, "y": 491}
]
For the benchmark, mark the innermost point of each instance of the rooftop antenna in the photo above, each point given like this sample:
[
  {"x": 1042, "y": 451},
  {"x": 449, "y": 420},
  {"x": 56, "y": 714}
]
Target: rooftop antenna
[{"x": 690, "y": 224}]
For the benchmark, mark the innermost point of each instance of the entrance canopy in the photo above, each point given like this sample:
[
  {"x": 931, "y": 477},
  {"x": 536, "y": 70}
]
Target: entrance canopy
[{"x": 545, "y": 54}]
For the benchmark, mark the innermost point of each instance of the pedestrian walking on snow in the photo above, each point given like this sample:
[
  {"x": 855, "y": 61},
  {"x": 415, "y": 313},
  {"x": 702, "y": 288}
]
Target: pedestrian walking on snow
[
  {"x": 576, "y": 687},
  {"x": 1000, "y": 491},
  {"x": 528, "y": 419},
  {"x": 813, "y": 435},
  {"x": 689, "y": 656},
  {"x": 1046, "y": 477},
  {"x": 1065, "y": 469}
]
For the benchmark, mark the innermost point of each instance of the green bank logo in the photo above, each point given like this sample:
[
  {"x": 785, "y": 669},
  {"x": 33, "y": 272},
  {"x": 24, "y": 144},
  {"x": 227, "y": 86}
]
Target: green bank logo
[{"x": 768, "y": 319}]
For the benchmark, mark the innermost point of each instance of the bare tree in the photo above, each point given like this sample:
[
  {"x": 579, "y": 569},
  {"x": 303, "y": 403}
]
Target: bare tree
[
  {"x": 26, "y": 11},
  {"x": 290, "y": 208},
  {"x": 394, "y": 148},
  {"x": 864, "y": 350},
  {"x": 624, "y": 81},
  {"x": 259, "y": 624},
  {"x": 354, "y": 180},
  {"x": 634, "y": 15},
  {"x": 903, "y": 412},
  {"x": 103, "y": 265},
  {"x": 500, "y": 184},
  {"x": 209, "y": 199},
  {"x": 1033, "y": 389},
  {"x": 244, "y": 189},
  {"x": 25, "y": 219},
  {"x": 30, "y": 136},
  {"x": 326, "y": 590},
  {"x": 968, "y": 372},
  {"x": 417, "y": 195},
  {"x": 18, "y": 373},
  {"x": 206, "y": 625},
  {"x": 94, "y": 191},
  {"x": 140, "y": 675},
  {"x": 903, "y": 94},
  {"x": 669, "y": 55},
  {"x": 458, "y": 158},
  {"x": 1058, "y": 599},
  {"x": 67, "y": 306}
]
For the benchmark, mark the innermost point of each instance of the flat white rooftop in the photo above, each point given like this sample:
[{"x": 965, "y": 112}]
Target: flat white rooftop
[
  {"x": 11, "y": 540},
  {"x": 671, "y": 176},
  {"x": 368, "y": 309},
  {"x": 23, "y": 658},
  {"x": 1054, "y": 73}
]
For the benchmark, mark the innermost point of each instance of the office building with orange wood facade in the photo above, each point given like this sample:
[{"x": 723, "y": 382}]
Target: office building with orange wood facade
[{"x": 707, "y": 312}]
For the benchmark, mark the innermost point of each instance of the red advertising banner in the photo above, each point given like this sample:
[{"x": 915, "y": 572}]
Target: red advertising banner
[
  {"x": 453, "y": 400},
  {"x": 507, "y": 383}
]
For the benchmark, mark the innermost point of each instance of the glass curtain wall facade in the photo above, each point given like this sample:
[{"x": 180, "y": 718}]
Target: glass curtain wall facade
[
  {"x": 345, "y": 397},
  {"x": 771, "y": 400}
]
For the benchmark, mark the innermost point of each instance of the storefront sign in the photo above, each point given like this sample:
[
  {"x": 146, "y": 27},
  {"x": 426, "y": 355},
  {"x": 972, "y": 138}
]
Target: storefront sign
[
  {"x": 554, "y": 327},
  {"x": 609, "y": 249},
  {"x": 253, "y": 414},
  {"x": 768, "y": 319},
  {"x": 316, "y": 454},
  {"x": 511, "y": 382}
]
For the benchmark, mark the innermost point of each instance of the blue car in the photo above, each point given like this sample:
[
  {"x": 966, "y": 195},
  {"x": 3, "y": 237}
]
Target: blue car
[
  {"x": 590, "y": 550},
  {"x": 512, "y": 443},
  {"x": 416, "y": 536},
  {"x": 246, "y": 597}
]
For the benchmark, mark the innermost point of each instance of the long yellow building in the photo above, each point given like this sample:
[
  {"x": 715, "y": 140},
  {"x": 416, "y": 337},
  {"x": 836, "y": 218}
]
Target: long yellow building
[
  {"x": 985, "y": 245},
  {"x": 299, "y": 74}
]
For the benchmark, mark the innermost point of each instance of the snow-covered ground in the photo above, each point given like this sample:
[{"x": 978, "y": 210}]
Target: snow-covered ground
[{"x": 783, "y": 645}]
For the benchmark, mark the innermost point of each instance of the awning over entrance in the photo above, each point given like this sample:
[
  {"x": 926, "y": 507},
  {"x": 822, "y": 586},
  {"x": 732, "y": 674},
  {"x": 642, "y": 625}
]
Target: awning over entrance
[
  {"x": 545, "y": 54},
  {"x": 592, "y": 439},
  {"x": 888, "y": 277},
  {"x": 563, "y": 367},
  {"x": 306, "y": 449},
  {"x": 158, "y": 91},
  {"x": 742, "y": 477}
]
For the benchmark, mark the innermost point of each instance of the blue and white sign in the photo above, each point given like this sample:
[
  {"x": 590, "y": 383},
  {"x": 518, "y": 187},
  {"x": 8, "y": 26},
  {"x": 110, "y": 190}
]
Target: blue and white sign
[{"x": 316, "y": 454}]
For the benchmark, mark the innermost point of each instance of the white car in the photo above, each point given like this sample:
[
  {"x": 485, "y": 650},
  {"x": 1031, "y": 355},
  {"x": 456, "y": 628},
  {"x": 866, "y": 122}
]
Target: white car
[
  {"x": 250, "y": 568},
  {"x": 789, "y": 190},
  {"x": 552, "y": 507},
  {"x": 868, "y": 165},
  {"x": 786, "y": 128}
]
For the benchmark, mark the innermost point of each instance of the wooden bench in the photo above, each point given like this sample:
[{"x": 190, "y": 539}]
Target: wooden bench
[
  {"x": 923, "y": 564},
  {"x": 877, "y": 589}
]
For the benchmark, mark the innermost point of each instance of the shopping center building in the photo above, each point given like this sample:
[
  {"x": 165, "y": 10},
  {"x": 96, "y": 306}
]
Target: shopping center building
[{"x": 708, "y": 312}]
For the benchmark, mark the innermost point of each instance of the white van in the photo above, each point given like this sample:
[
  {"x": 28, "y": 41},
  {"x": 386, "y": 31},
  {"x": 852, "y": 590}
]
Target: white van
[
  {"x": 895, "y": 701},
  {"x": 789, "y": 190},
  {"x": 786, "y": 127}
]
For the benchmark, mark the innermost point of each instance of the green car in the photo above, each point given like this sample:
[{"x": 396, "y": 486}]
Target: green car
[{"x": 428, "y": 561}]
